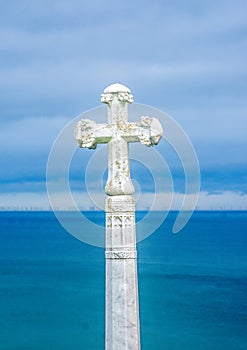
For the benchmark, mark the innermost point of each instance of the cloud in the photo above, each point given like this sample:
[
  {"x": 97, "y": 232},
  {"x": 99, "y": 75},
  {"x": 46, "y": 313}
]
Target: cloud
[
  {"x": 25, "y": 146},
  {"x": 55, "y": 57},
  {"x": 226, "y": 200},
  {"x": 185, "y": 58}
]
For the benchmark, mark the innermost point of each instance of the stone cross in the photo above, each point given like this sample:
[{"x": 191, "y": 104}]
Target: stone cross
[{"x": 122, "y": 306}]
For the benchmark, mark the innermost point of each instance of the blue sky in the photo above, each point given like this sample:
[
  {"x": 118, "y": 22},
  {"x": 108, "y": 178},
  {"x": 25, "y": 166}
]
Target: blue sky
[{"x": 186, "y": 58}]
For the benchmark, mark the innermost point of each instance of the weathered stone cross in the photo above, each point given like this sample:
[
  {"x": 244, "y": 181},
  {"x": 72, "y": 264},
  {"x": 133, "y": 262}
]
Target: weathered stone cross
[{"x": 122, "y": 307}]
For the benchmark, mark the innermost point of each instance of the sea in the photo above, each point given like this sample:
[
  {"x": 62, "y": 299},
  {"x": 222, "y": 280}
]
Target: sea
[{"x": 192, "y": 285}]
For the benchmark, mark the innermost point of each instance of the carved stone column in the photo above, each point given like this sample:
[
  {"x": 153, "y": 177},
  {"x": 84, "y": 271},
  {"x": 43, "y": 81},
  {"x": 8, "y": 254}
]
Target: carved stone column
[{"x": 122, "y": 307}]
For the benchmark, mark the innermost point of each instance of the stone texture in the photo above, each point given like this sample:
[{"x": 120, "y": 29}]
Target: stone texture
[
  {"x": 118, "y": 133},
  {"x": 122, "y": 306}
]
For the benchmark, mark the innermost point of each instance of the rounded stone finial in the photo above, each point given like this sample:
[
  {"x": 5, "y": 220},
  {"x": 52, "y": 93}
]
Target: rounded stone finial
[
  {"x": 117, "y": 92},
  {"x": 115, "y": 88}
]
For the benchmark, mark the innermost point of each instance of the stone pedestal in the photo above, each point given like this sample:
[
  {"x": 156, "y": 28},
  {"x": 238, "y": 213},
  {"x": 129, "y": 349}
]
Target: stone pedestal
[{"x": 122, "y": 307}]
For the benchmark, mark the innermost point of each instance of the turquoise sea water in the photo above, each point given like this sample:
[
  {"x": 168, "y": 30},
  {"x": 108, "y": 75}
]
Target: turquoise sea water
[{"x": 192, "y": 286}]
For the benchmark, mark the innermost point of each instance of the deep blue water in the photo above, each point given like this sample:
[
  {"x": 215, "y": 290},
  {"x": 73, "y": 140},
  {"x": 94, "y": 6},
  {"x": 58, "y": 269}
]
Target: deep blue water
[{"x": 192, "y": 286}]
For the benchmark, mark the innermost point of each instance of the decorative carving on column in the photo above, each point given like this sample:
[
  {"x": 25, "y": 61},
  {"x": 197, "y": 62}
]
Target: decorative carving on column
[{"x": 121, "y": 254}]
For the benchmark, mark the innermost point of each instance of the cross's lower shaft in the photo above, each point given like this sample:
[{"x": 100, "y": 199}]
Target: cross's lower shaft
[{"x": 122, "y": 307}]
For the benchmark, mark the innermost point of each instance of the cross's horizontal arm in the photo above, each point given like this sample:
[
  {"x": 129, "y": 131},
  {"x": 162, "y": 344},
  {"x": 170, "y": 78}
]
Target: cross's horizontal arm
[
  {"x": 148, "y": 131},
  {"x": 88, "y": 134}
]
